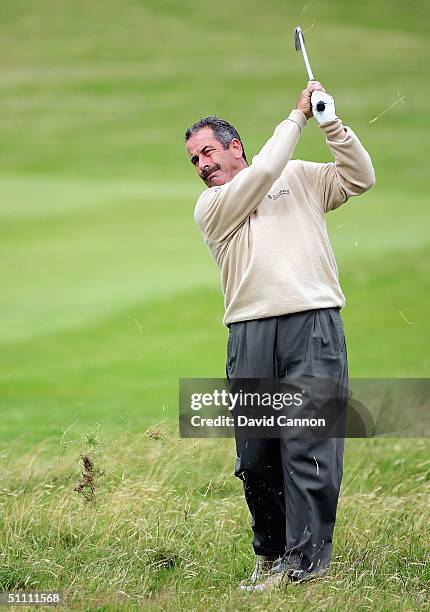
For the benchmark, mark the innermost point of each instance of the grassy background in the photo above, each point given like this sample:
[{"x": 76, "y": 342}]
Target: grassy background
[{"x": 109, "y": 296}]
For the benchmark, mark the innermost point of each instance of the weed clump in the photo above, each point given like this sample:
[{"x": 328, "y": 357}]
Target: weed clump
[{"x": 86, "y": 486}]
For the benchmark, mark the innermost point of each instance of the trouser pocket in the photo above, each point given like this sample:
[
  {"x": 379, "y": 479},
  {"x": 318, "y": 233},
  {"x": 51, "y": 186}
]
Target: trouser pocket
[
  {"x": 231, "y": 357},
  {"x": 337, "y": 323}
]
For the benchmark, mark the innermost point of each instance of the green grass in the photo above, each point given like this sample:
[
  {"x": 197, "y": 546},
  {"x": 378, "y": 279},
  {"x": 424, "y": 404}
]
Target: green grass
[
  {"x": 169, "y": 529},
  {"x": 109, "y": 295}
]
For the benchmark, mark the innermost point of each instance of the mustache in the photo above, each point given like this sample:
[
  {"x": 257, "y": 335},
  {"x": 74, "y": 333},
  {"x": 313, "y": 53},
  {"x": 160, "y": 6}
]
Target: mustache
[{"x": 208, "y": 170}]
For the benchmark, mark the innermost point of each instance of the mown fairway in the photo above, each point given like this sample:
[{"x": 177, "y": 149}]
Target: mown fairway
[{"x": 109, "y": 295}]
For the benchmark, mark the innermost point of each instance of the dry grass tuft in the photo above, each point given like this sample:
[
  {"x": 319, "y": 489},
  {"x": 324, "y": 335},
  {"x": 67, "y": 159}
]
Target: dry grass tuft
[{"x": 87, "y": 484}]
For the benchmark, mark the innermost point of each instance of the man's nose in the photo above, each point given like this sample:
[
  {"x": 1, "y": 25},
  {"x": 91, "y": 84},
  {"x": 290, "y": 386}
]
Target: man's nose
[{"x": 203, "y": 163}]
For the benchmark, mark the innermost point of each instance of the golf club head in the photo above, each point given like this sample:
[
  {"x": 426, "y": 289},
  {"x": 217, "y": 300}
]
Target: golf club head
[{"x": 297, "y": 41}]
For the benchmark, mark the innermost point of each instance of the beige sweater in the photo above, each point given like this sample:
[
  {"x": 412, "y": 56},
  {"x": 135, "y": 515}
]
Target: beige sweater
[{"x": 266, "y": 227}]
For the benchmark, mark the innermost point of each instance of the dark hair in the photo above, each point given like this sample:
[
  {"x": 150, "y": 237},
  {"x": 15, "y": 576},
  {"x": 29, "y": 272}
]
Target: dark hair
[{"x": 224, "y": 132}]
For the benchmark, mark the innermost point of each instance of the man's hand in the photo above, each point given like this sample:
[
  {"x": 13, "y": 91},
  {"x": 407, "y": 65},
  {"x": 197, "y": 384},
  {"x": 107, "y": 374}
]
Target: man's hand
[
  {"x": 304, "y": 102},
  {"x": 329, "y": 112}
]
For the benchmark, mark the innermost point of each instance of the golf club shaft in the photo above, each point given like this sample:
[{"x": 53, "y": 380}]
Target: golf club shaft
[
  {"x": 300, "y": 44},
  {"x": 305, "y": 56}
]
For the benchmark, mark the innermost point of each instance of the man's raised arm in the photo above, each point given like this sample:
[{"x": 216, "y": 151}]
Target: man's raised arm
[
  {"x": 221, "y": 210},
  {"x": 351, "y": 173}
]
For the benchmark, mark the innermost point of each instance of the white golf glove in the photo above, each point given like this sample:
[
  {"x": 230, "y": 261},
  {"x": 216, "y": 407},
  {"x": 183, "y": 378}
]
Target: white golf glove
[{"x": 329, "y": 113}]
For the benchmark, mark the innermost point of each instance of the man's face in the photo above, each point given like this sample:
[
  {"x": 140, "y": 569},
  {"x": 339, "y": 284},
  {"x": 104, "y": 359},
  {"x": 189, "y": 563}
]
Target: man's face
[{"x": 214, "y": 164}]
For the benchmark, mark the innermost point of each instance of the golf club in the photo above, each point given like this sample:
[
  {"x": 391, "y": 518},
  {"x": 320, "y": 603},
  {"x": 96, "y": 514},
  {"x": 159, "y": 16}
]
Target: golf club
[{"x": 299, "y": 42}]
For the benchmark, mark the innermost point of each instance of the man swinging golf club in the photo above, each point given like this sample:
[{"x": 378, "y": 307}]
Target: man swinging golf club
[{"x": 264, "y": 223}]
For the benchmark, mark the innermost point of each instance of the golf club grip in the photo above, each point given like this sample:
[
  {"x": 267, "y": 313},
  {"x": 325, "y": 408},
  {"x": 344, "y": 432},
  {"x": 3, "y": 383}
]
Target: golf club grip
[{"x": 320, "y": 105}]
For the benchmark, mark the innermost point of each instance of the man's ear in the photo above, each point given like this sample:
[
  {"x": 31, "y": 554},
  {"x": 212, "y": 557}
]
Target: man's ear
[{"x": 236, "y": 147}]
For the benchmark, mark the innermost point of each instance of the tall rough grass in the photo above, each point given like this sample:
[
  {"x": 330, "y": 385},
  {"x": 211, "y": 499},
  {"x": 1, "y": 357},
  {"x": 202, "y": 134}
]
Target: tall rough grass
[{"x": 166, "y": 527}]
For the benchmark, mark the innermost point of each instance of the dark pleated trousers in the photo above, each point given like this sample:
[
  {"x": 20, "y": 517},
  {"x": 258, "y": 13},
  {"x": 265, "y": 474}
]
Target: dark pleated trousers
[{"x": 291, "y": 485}]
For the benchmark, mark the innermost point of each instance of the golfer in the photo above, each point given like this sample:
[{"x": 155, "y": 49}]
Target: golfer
[{"x": 264, "y": 223}]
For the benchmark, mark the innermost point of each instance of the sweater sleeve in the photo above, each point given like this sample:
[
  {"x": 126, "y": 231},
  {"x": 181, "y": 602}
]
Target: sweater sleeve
[
  {"x": 349, "y": 175},
  {"x": 221, "y": 210}
]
